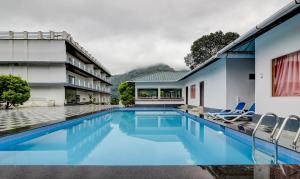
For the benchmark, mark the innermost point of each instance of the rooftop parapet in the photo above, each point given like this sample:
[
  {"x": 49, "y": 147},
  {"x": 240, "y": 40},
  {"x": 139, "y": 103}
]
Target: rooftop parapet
[{"x": 51, "y": 35}]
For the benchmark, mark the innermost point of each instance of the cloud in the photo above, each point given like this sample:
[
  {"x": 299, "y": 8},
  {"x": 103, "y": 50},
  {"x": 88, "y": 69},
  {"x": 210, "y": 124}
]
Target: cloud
[{"x": 125, "y": 34}]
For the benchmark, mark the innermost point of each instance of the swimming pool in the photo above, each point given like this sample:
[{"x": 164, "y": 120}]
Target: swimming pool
[{"x": 136, "y": 137}]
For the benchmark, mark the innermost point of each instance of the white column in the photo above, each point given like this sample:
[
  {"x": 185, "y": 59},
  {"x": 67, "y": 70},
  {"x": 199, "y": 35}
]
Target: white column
[
  {"x": 158, "y": 93},
  {"x": 136, "y": 92}
]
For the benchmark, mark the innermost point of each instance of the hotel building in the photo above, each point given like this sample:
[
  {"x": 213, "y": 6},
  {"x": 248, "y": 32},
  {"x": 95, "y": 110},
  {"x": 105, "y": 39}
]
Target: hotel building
[{"x": 58, "y": 70}]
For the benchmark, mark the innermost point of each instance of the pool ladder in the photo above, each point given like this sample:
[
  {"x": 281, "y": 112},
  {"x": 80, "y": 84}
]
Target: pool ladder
[{"x": 276, "y": 139}]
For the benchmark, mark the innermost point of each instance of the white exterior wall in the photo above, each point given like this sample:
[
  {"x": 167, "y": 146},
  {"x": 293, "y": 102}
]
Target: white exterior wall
[
  {"x": 46, "y": 96},
  {"x": 158, "y": 85},
  {"x": 84, "y": 96},
  {"x": 239, "y": 87},
  {"x": 281, "y": 40},
  {"x": 33, "y": 50},
  {"x": 37, "y": 74},
  {"x": 214, "y": 77}
]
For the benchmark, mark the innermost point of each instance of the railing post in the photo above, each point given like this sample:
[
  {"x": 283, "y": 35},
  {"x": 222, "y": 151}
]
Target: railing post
[
  {"x": 40, "y": 35},
  {"x": 11, "y": 34},
  {"x": 25, "y": 35}
]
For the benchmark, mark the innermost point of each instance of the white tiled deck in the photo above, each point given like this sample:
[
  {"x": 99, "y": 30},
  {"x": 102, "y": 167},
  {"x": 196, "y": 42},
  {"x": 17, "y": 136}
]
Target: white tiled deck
[{"x": 22, "y": 117}]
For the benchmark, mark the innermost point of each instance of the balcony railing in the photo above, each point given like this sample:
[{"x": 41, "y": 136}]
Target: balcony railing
[
  {"x": 75, "y": 62},
  {"x": 85, "y": 84}
]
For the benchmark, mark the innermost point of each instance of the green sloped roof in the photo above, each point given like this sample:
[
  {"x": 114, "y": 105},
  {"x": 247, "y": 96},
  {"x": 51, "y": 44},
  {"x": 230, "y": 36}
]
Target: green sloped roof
[{"x": 160, "y": 77}]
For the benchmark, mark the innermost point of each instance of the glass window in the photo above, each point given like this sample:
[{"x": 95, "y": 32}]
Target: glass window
[
  {"x": 286, "y": 75},
  {"x": 148, "y": 93},
  {"x": 193, "y": 91},
  {"x": 171, "y": 93}
]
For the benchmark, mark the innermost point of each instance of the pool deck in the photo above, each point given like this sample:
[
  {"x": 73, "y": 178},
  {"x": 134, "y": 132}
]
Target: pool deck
[
  {"x": 263, "y": 131},
  {"x": 14, "y": 121},
  {"x": 150, "y": 172},
  {"x": 21, "y": 119}
]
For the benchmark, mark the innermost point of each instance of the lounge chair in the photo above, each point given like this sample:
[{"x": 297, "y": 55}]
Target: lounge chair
[
  {"x": 235, "y": 117},
  {"x": 238, "y": 110}
]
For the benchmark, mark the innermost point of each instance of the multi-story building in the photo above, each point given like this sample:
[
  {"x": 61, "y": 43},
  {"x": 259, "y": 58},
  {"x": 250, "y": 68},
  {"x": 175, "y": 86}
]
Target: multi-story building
[{"x": 58, "y": 70}]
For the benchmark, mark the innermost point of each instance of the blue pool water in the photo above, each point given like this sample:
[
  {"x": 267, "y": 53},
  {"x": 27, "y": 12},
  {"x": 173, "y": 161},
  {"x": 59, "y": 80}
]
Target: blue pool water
[{"x": 134, "y": 138}]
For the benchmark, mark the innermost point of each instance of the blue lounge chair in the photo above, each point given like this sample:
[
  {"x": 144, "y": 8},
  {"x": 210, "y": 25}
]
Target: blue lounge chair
[
  {"x": 238, "y": 110},
  {"x": 235, "y": 117}
]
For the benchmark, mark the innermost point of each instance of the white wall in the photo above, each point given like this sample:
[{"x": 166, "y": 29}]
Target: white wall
[
  {"x": 84, "y": 96},
  {"x": 37, "y": 74},
  {"x": 279, "y": 41},
  {"x": 46, "y": 96},
  {"x": 214, "y": 77},
  {"x": 238, "y": 84},
  {"x": 33, "y": 50}
]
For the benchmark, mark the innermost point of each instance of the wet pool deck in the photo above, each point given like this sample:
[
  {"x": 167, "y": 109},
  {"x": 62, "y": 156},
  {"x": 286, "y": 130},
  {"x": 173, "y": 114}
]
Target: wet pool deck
[
  {"x": 263, "y": 131},
  {"x": 151, "y": 172},
  {"x": 20, "y": 119}
]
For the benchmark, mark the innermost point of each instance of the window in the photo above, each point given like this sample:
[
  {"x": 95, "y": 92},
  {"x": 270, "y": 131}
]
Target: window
[
  {"x": 286, "y": 75},
  {"x": 170, "y": 93},
  {"x": 251, "y": 76},
  {"x": 193, "y": 91},
  {"x": 148, "y": 93}
]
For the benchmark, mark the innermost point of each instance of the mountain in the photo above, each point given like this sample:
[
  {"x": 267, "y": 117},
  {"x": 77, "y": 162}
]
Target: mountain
[{"x": 117, "y": 79}]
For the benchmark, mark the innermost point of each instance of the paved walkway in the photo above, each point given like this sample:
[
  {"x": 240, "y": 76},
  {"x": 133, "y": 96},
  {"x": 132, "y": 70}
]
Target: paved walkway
[{"x": 30, "y": 116}]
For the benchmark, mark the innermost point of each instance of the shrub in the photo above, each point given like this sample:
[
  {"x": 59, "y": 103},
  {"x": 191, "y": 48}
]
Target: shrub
[
  {"x": 114, "y": 100},
  {"x": 127, "y": 93},
  {"x": 13, "y": 90}
]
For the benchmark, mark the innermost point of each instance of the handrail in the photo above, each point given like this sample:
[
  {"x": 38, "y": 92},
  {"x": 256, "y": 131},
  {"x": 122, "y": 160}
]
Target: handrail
[
  {"x": 259, "y": 122},
  {"x": 272, "y": 134},
  {"x": 294, "y": 143}
]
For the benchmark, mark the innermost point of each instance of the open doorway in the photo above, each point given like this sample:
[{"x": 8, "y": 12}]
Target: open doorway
[
  {"x": 201, "y": 92},
  {"x": 187, "y": 95}
]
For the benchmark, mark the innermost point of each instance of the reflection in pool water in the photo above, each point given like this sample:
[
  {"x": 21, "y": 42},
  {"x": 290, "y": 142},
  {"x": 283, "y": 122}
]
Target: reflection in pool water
[{"x": 133, "y": 138}]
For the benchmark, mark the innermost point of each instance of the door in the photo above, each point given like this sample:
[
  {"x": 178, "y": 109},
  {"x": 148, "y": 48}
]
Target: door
[
  {"x": 201, "y": 92},
  {"x": 187, "y": 95}
]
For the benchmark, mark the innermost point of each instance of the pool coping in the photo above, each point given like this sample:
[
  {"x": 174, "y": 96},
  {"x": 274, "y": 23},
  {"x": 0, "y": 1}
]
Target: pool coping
[
  {"x": 149, "y": 172},
  {"x": 231, "y": 132},
  {"x": 45, "y": 124}
]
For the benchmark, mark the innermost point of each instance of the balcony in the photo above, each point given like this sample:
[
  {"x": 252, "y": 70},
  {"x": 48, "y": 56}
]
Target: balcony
[
  {"x": 83, "y": 84},
  {"x": 77, "y": 63}
]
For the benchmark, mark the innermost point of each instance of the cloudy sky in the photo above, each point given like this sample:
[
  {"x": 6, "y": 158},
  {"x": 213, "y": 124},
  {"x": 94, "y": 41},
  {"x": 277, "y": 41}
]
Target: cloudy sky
[{"x": 125, "y": 34}]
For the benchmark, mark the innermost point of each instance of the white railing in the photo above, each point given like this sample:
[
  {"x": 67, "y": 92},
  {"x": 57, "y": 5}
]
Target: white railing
[
  {"x": 86, "y": 84},
  {"x": 76, "y": 62}
]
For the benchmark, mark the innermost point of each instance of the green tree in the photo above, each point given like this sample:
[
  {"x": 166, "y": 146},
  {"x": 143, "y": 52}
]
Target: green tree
[
  {"x": 13, "y": 90},
  {"x": 126, "y": 91},
  {"x": 207, "y": 46}
]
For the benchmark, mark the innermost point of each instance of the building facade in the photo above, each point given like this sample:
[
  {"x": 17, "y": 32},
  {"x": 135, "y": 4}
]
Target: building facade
[
  {"x": 262, "y": 66},
  {"x": 160, "y": 88},
  {"x": 58, "y": 70}
]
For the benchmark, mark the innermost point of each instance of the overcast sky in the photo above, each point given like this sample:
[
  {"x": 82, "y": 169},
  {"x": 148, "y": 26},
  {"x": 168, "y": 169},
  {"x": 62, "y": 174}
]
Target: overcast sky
[{"x": 125, "y": 34}]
